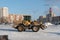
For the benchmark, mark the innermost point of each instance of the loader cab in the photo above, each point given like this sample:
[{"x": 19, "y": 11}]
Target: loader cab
[{"x": 27, "y": 17}]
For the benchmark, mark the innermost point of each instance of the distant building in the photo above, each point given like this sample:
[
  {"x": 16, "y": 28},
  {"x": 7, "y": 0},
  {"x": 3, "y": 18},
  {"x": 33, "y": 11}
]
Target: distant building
[
  {"x": 42, "y": 18},
  {"x": 56, "y": 19},
  {"x": 4, "y": 12},
  {"x": 50, "y": 17},
  {"x": 13, "y": 17}
]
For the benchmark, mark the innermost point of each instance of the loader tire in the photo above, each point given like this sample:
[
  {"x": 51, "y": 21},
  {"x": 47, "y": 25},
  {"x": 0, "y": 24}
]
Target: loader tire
[
  {"x": 35, "y": 29},
  {"x": 20, "y": 28}
]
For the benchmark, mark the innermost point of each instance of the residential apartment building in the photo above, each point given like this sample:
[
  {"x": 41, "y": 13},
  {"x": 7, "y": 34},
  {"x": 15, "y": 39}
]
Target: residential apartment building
[
  {"x": 13, "y": 17},
  {"x": 4, "y": 12}
]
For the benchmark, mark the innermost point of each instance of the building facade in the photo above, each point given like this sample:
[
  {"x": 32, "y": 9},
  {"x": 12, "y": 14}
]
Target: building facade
[
  {"x": 4, "y": 12},
  {"x": 13, "y": 17},
  {"x": 56, "y": 19}
]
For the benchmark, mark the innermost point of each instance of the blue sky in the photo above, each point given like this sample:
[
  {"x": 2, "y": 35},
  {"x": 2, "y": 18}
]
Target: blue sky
[{"x": 35, "y": 8}]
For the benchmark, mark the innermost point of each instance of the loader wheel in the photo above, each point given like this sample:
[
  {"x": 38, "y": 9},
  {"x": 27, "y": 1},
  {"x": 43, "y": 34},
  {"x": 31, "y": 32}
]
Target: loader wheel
[
  {"x": 20, "y": 28},
  {"x": 35, "y": 29}
]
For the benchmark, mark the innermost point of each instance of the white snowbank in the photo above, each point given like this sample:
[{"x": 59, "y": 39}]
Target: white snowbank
[{"x": 47, "y": 24}]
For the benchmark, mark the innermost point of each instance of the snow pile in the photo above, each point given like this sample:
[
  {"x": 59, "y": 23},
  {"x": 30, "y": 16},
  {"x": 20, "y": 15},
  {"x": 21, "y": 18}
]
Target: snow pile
[{"x": 47, "y": 24}]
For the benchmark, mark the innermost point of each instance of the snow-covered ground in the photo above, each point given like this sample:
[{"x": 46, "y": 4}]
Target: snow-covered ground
[
  {"x": 47, "y": 24},
  {"x": 51, "y": 33}
]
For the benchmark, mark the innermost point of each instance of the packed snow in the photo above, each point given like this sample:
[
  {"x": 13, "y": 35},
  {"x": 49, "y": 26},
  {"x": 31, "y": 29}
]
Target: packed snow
[
  {"x": 48, "y": 23},
  {"x": 52, "y": 32}
]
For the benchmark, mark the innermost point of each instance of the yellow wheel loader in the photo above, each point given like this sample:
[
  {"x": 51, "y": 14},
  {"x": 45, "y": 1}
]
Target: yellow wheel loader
[{"x": 28, "y": 24}]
